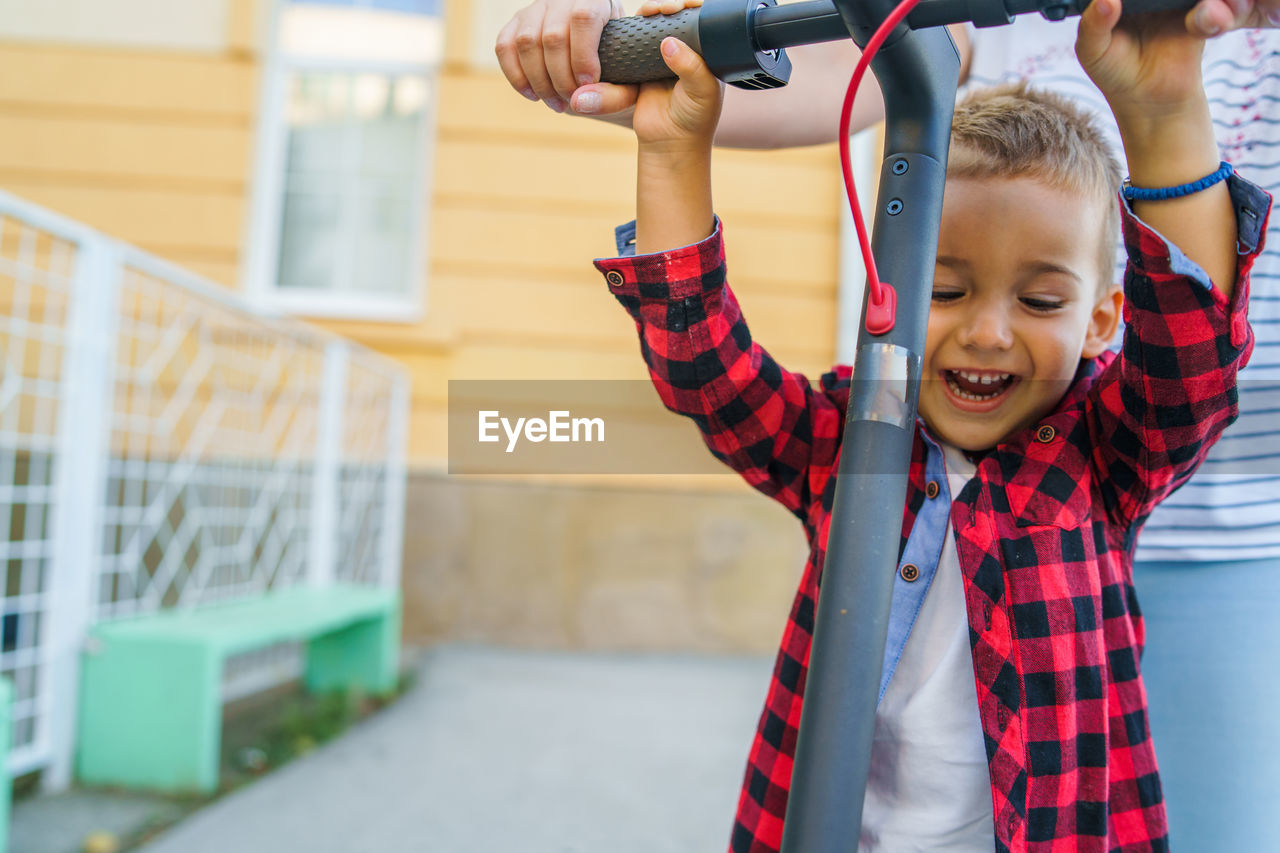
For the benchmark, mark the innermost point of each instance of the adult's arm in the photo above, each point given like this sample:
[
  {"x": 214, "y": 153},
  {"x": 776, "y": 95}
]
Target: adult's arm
[{"x": 548, "y": 52}]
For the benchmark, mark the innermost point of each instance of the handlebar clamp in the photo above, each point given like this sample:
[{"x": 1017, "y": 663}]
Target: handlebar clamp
[{"x": 727, "y": 34}]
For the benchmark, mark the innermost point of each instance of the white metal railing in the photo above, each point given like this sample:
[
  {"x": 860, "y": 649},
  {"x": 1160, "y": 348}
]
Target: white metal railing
[{"x": 161, "y": 445}]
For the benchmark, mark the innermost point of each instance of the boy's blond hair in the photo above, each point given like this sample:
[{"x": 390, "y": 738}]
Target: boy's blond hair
[{"x": 1014, "y": 130}]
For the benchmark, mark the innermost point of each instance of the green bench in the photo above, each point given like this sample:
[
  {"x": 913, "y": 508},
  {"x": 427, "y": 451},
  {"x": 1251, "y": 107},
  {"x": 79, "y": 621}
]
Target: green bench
[{"x": 151, "y": 686}]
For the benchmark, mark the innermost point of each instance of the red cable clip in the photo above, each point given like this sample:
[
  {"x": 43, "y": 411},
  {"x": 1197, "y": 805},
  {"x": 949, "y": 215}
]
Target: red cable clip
[{"x": 881, "y": 315}]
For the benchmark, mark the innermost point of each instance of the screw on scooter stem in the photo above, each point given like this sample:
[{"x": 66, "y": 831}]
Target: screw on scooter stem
[
  {"x": 720, "y": 30},
  {"x": 743, "y": 40}
]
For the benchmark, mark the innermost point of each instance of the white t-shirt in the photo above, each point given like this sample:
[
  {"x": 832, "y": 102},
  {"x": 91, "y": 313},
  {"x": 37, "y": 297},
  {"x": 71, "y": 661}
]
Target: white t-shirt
[
  {"x": 929, "y": 789},
  {"x": 1230, "y": 510}
]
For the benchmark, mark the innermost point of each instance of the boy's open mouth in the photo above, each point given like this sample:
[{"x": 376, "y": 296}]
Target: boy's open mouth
[{"x": 978, "y": 386}]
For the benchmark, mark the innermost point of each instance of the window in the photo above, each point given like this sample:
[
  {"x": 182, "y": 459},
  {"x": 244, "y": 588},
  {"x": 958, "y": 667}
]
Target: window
[{"x": 339, "y": 222}]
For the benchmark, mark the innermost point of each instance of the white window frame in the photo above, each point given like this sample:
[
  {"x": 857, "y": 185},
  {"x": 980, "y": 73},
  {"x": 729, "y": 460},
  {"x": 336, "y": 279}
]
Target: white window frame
[{"x": 264, "y": 223}]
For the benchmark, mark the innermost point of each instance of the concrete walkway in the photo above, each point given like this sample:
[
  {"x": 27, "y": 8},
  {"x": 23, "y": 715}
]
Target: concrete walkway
[{"x": 514, "y": 752}]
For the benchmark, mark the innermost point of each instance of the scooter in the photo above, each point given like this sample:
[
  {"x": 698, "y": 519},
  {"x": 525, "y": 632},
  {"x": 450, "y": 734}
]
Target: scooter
[{"x": 917, "y": 67}]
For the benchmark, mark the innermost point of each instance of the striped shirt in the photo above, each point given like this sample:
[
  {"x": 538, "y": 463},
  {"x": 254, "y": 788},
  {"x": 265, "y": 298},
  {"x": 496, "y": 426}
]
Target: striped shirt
[{"x": 1231, "y": 508}]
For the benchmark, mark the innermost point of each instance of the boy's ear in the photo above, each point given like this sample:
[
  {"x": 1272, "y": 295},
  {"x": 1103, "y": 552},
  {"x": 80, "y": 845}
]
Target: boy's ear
[{"x": 1103, "y": 322}]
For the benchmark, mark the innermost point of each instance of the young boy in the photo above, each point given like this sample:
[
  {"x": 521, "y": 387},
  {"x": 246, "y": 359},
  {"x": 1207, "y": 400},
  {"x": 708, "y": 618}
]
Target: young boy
[{"x": 1041, "y": 451}]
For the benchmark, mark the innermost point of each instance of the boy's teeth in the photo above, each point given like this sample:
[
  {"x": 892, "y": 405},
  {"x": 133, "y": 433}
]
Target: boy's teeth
[
  {"x": 995, "y": 382},
  {"x": 984, "y": 378},
  {"x": 960, "y": 392}
]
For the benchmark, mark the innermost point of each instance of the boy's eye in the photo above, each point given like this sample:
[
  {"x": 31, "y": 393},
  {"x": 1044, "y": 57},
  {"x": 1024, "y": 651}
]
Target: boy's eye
[
  {"x": 1036, "y": 304},
  {"x": 941, "y": 294}
]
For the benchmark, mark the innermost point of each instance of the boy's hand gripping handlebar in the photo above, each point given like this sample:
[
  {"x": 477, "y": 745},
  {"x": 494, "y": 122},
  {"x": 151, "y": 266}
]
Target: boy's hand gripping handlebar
[{"x": 917, "y": 68}]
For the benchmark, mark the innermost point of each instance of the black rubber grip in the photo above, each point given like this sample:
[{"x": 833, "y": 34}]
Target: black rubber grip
[{"x": 630, "y": 47}]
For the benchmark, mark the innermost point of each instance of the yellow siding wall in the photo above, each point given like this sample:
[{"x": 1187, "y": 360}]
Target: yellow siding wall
[
  {"x": 523, "y": 199},
  {"x": 157, "y": 149},
  {"x": 150, "y": 147}
]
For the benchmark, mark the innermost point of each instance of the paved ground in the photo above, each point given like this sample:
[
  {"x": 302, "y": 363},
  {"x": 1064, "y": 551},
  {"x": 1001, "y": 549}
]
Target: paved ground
[
  {"x": 496, "y": 751},
  {"x": 61, "y": 823}
]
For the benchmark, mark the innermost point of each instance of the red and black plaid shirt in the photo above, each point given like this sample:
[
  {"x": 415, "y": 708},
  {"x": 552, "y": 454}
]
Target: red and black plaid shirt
[{"x": 1044, "y": 531}]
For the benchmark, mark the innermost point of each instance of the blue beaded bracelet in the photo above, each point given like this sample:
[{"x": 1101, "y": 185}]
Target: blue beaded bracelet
[{"x": 1138, "y": 194}]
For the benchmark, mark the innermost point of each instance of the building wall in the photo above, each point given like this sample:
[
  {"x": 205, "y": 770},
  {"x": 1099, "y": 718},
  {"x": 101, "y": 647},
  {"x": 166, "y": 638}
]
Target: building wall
[
  {"x": 597, "y": 566},
  {"x": 157, "y": 147},
  {"x": 147, "y": 144},
  {"x": 524, "y": 199}
]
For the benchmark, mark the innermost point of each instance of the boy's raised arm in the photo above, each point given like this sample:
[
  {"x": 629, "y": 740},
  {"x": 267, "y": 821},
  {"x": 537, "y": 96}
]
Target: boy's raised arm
[
  {"x": 674, "y": 126},
  {"x": 1164, "y": 400},
  {"x": 769, "y": 425},
  {"x": 1149, "y": 70}
]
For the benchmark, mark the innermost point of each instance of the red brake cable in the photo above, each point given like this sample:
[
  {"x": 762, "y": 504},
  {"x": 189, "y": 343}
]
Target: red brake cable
[{"x": 882, "y": 309}]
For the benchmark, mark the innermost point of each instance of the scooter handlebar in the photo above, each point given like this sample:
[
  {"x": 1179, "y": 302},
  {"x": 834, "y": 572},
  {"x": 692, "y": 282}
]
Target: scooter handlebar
[{"x": 629, "y": 47}]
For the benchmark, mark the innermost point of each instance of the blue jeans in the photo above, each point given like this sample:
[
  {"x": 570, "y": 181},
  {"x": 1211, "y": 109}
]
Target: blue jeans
[{"x": 1212, "y": 669}]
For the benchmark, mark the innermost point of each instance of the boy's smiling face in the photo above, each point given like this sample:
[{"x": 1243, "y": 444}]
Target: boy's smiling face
[{"x": 1017, "y": 302}]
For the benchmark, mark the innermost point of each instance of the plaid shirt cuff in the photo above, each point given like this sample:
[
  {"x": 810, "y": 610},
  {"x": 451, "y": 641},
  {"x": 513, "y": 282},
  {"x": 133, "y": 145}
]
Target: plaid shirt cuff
[
  {"x": 1156, "y": 259},
  {"x": 692, "y": 270}
]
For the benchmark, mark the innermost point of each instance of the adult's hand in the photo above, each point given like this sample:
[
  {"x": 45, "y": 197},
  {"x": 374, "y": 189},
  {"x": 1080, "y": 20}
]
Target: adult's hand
[
  {"x": 550, "y": 45},
  {"x": 1214, "y": 17},
  {"x": 548, "y": 50}
]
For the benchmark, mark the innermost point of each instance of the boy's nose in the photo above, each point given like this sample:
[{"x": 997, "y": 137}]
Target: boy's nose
[{"x": 988, "y": 329}]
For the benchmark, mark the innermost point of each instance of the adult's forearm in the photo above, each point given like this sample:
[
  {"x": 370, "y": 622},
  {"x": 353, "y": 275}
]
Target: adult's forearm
[
  {"x": 807, "y": 110},
  {"x": 804, "y": 112}
]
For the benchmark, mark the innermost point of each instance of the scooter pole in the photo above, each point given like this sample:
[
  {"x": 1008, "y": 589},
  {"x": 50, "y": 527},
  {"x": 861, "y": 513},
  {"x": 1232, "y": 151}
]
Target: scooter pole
[{"x": 918, "y": 72}]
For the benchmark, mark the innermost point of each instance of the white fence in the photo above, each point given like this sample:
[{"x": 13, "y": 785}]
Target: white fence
[{"x": 161, "y": 445}]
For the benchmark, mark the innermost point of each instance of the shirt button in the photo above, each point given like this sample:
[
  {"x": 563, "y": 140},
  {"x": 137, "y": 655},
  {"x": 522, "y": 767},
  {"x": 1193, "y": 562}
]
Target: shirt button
[
  {"x": 909, "y": 572},
  {"x": 614, "y": 278},
  {"x": 1045, "y": 434},
  {"x": 931, "y": 490}
]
